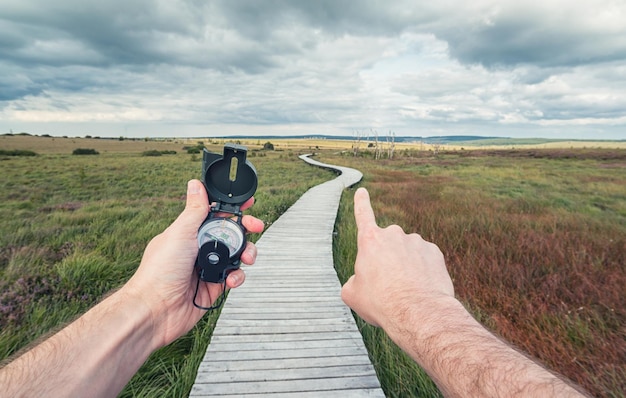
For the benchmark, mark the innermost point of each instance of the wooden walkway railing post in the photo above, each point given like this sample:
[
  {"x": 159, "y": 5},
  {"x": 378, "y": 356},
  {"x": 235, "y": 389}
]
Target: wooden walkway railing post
[{"x": 286, "y": 331}]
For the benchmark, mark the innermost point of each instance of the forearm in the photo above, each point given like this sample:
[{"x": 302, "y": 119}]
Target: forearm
[
  {"x": 464, "y": 359},
  {"x": 94, "y": 356}
]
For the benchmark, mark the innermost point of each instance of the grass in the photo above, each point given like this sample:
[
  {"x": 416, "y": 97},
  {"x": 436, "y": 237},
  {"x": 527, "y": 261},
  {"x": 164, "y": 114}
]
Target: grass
[
  {"x": 520, "y": 143},
  {"x": 74, "y": 228},
  {"x": 399, "y": 375},
  {"x": 535, "y": 241},
  {"x": 536, "y": 247}
]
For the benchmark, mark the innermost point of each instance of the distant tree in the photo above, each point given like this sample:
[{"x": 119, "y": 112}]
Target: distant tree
[{"x": 268, "y": 146}]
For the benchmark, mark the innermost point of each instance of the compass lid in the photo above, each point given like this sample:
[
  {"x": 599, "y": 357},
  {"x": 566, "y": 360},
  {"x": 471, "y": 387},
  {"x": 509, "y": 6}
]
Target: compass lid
[{"x": 229, "y": 178}]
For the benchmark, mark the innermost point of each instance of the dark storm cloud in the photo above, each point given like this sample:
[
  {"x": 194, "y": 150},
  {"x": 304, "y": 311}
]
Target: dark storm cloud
[
  {"x": 543, "y": 33},
  {"x": 546, "y": 33},
  {"x": 247, "y": 34},
  {"x": 402, "y": 64},
  {"x": 117, "y": 33},
  {"x": 524, "y": 43},
  {"x": 258, "y": 19},
  {"x": 15, "y": 84},
  {"x": 11, "y": 91}
]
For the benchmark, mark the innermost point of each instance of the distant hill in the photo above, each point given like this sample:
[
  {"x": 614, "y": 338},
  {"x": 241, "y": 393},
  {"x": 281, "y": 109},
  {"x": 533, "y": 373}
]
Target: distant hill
[
  {"x": 441, "y": 139},
  {"x": 458, "y": 140},
  {"x": 470, "y": 140}
]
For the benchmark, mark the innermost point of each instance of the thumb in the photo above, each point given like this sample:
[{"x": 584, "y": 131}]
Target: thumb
[{"x": 196, "y": 207}]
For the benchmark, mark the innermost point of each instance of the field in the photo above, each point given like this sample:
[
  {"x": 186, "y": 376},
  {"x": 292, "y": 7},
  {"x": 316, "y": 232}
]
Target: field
[
  {"x": 535, "y": 240},
  {"x": 74, "y": 228}
]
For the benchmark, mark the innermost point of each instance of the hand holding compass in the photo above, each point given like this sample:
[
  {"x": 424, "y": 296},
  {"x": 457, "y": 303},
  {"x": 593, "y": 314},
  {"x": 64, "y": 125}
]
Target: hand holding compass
[{"x": 230, "y": 180}]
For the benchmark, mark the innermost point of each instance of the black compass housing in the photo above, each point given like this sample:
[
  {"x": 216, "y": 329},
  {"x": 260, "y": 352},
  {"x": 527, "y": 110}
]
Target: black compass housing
[{"x": 230, "y": 180}]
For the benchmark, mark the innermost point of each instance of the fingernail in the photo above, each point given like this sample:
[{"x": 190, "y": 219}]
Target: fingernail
[
  {"x": 192, "y": 188},
  {"x": 236, "y": 279}
]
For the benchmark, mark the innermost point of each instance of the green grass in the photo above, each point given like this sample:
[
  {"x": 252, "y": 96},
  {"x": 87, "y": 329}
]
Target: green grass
[
  {"x": 399, "y": 375},
  {"x": 75, "y": 227},
  {"x": 535, "y": 244},
  {"x": 534, "y": 240}
]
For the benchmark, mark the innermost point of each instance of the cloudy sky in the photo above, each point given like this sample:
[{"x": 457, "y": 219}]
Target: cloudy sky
[{"x": 137, "y": 68}]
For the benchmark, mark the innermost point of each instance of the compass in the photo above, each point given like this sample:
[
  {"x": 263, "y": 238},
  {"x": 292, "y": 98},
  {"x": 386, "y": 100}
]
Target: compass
[
  {"x": 222, "y": 230},
  {"x": 230, "y": 180}
]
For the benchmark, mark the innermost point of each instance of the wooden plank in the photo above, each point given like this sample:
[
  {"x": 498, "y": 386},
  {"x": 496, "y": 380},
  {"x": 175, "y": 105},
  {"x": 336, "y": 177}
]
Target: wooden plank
[
  {"x": 280, "y": 329},
  {"x": 285, "y": 374},
  {"x": 261, "y": 338},
  {"x": 307, "y": 394},
  {"x": 252, "y": 355},
  {"x": 285, "y": 345},
  {"x": 286, "y": 332},
  {"x": 289, "y": 315},
  {"x": 338, "y": 384},
  {"x": 288, "y": 363},
  {"x": 354, "y": 393}
]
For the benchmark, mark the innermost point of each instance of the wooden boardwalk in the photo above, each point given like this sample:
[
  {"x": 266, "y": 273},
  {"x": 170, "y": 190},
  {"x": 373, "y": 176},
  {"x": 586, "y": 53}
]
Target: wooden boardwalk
[{"x": 286, "y": 332}]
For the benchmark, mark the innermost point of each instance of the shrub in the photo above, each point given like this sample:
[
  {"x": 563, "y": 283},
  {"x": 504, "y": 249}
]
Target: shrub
[
  {"x": 85, "y": 151},
  {"x": 194, "y": 149},
  {"x": 152, "y": 152},
  {"x": 268, "y": 146},
  {"x": 17, "y": 152}
]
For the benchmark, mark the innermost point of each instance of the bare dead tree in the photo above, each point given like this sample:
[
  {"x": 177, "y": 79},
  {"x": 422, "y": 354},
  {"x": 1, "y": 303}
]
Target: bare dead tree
[
  {"x": 376, "y": 145},
  {"x": 391, "y": 144},
  {"x": 357, "y": 142},
  {"x": 436, "y": 148}
]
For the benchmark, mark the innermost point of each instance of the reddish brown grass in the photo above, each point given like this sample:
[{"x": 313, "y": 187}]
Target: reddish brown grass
[
  {"x": 551, "y": 282},
  {"x": 554, "y": 153}
]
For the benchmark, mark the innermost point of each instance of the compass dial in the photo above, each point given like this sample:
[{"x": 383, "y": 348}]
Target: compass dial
[{"x": 223, "y": 230}]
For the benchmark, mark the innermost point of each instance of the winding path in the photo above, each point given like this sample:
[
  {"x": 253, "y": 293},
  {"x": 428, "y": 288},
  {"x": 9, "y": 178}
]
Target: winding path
[{"x": 286, "y": 331}]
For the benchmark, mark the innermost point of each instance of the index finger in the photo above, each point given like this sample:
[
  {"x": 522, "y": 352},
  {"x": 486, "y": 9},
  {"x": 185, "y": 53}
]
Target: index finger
[
  {"x": 363, "y": 212},
  {"x": 247, "y": 204}
]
